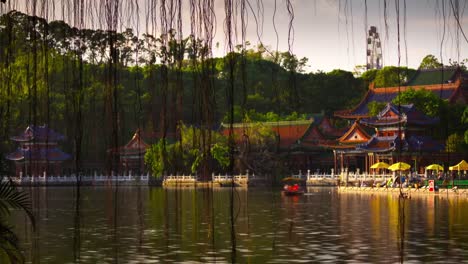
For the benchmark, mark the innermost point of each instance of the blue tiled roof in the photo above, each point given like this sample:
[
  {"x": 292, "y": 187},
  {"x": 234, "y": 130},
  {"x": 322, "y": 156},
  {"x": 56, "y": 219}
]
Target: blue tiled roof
[
  {"x": 51, "y": 154},
  {"x": 411, "y": 144},
  {"x": 424, "y": 144},
  {"x": 39, "y": 134},
  {"x": 379, "y": 144},
  {"x": 383, "y": 97},
  {"x": 404, "y": 114}
]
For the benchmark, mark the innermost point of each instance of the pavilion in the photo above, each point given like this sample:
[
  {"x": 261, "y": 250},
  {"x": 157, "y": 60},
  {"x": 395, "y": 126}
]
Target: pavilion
[
  {"x": 397, "y": 133},
  {"x": 38, "y": 152}
]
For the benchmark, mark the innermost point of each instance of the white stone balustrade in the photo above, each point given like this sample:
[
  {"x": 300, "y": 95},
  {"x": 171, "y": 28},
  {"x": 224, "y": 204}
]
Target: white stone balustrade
[{"x": 64, "y": 179}]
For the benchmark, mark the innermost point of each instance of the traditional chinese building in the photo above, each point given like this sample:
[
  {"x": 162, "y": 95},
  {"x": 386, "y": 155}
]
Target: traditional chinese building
[
  {"x": 450, "y": 84},
  {"x": 38, "y": 152},
  {"x": 402, "y": 134},
  {"x": 130, "y": 157},
  {"x": 345, "y": 153},
  {"x": 301, "y": 141},
  {"x": 398, "y": 132}
]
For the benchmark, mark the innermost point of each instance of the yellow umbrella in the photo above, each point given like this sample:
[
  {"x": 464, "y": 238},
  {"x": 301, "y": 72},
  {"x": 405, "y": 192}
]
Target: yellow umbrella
[
  {"x": 436, "y": 167},
  {"x": 380, "y": 165},
  {"x": 463, "y": 165},
  {"x": 399, "y": 166}
]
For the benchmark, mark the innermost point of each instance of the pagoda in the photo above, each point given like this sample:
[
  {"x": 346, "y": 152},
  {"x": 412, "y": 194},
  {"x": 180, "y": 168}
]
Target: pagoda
[
  {"x": 401, "y": 134},
  {"x": 38, "y": 152},
  {"x": 131, "y": 156}
]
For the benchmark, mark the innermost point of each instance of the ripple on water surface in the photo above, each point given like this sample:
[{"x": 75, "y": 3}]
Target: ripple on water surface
[{"x": 194, "y": 226}]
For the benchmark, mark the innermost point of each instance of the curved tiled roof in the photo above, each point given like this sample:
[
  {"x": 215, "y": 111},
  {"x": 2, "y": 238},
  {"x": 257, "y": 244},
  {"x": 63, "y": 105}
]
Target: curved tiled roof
[
  {"x": 446, "y": 88},
  {"x": 38, "y": 154},
  {"x": 135, "y": 146},
  {"x": 424, "y": 144},
  {"x": 432, "y": 76},
  {"x": 411, "y": 144},
  {"x": 400, "y": 114},
  {"x": 379, "y": 144},
  {"x": 38, "y": 134},
  {"x": 355, "y": 127}
]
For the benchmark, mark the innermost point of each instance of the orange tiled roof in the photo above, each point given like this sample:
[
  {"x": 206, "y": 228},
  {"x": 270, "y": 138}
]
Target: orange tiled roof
[{"x": 453, "y": 89}]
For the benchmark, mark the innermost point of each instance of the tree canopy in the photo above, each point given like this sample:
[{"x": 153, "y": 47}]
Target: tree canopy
[
  {"x": 424, "y": 100},
  {"x": 430, "y": 62}
]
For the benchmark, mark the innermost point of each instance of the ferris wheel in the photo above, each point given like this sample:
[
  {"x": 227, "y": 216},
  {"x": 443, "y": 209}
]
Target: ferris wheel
[{"x": 374, "y": 49}]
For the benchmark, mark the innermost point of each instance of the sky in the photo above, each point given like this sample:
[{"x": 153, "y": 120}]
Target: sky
[{"x": 332, "y": 33}]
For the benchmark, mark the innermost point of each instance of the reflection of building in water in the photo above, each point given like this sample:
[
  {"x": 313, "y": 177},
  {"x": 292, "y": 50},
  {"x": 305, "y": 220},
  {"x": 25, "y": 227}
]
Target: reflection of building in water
[
  {"x": 38, "y": 152},
  {"x": 376, "y": 216},
  {"x": 430, "y": 214}
]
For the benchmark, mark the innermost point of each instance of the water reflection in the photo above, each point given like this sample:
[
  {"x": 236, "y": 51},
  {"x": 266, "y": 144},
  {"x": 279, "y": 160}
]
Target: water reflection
[
  {"x": 77, "y": 226},
  {"x": 140, "y": 224}
]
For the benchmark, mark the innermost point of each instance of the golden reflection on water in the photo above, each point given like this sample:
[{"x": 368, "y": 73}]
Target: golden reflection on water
[
  {"x": 177, "y": 225},
  {"x": 430, "y": 214},
  {"x": 430, "y": 210}
]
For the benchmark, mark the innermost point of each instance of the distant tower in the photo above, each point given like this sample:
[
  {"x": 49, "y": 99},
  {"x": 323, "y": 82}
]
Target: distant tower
[{"x": 374, "y": 49}]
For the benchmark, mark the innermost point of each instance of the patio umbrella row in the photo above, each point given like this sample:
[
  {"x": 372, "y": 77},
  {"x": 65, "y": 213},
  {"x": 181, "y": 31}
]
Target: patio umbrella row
[
  {"x": 393, "y": 167},
  {"x": 463, "y": 165}
]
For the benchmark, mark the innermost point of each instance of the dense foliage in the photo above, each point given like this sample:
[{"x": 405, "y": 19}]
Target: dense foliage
[
  {"x": 187, "y": 156},
  {"x": 97, "y": 87},
  {"x": 424, "y": 100},
  {"x": 11, "y": 199}
]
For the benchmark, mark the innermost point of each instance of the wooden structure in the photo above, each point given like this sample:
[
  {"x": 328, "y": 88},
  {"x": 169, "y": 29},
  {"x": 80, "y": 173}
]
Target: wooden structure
[
  {"x": 131, "y": 156},
  {"x": 300, "y": 141},
  {"x": 397, "y": 132},
  {"x": 402, "y": 133},
  {"x": 447, "y": 83},
  {"x": 38, "y": 153},
  {"x": 345, "y": 152}
]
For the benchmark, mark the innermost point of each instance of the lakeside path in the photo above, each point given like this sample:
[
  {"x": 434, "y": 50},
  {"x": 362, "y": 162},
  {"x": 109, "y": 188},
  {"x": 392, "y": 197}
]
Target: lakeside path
[{"x": 408, "y": 191}]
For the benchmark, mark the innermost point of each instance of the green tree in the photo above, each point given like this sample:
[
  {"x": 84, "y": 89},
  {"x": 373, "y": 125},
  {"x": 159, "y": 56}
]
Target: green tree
[
  {"x": 464, "y": 121},
  {"x": 462, "y": 64},
  {"x": 430, "y": 62},
  {"x": 375, "y": 107},
  {"x": 424, "y": 100},
  {"x": 392, "y": 76},
  {"x": 369, "y": 75},
  {"x": 220, "y": 153},
  {"x": 455, "y": 143},
  {"x": 154, "y": 159}
]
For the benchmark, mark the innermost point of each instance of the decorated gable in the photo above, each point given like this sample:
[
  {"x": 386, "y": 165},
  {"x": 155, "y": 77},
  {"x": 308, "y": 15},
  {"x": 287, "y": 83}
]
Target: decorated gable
[
  {"x": 136, "y": 142},
  {"x": 355, "y": 134},
  {"x": 313, "y": 135}
]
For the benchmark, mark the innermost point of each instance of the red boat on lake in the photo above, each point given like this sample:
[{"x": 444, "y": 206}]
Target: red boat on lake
[{"x": 290, "y": 190}]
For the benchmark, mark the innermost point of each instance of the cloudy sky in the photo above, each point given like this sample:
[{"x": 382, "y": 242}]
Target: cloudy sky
[{"x": 330, "y": 33}]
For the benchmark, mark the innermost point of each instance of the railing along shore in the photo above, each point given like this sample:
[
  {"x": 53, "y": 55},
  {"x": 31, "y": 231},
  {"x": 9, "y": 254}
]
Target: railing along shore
[{"x": 96, "y": 179}]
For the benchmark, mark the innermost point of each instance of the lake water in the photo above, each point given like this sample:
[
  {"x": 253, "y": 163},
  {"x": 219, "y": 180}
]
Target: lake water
[{"x": 151, "y": 225}]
